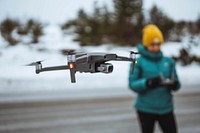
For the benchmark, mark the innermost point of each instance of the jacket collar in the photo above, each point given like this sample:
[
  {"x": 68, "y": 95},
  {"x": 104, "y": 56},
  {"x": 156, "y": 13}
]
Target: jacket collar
[{"x": 146, "y": 54}]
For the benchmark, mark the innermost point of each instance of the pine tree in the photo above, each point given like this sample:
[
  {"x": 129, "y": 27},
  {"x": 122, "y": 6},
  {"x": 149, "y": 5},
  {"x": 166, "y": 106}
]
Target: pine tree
[
  {"x": 165, "y": 23},
  {"x": 36, "y": 29},
  {"x": 7, "y": 27},
  {"x": 37, "y": 32},
  {"x": 198, "y": 23},
  {"x": 33, "y": 28},
  {"x": 81, "y": 27},
  {"x": 107, "y": 26},
  {"x": 126, "y": 13},
  {"x": 178, "y": 30}
]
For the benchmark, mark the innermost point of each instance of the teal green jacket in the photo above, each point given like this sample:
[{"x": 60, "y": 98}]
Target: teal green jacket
[{"x": 149, "y": 65}]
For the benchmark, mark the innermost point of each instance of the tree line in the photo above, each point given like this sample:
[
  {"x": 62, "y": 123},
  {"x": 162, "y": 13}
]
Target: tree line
[
  {"x": 122, "y": 26},
  {"x": 13, "y": 31}
]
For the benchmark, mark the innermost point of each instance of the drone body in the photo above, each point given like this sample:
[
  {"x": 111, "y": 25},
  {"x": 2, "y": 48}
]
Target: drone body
[{"x": 87, "y": 63}]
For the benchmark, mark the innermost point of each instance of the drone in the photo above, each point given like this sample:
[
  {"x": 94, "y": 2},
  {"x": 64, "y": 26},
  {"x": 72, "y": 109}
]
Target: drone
[{"x": 87, "y": 63}]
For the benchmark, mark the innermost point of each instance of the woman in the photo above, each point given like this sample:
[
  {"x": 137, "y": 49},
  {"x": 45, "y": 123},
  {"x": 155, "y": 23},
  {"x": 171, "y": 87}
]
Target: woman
[{"x": 154, "y": 102}]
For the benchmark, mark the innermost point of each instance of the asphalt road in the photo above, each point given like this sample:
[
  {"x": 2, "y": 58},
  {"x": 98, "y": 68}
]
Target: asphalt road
[{"x": 90, "y": 115}]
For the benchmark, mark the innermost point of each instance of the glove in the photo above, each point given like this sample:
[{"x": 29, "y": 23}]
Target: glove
[
  {"x": 173, "y": 86},
  {"x": 153, "y": 82}
]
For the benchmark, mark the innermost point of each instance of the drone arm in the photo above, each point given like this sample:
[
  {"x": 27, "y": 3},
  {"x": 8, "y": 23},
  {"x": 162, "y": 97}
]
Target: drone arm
[
  {"x": 54, "y": 68},
  {"x": 121, "y": 58}
]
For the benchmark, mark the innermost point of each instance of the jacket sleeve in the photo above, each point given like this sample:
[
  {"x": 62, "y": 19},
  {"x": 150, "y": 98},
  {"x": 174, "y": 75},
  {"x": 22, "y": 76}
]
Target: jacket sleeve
[
  {"x": 136, "y": 83},
  {"x": 175, "y": 76}
]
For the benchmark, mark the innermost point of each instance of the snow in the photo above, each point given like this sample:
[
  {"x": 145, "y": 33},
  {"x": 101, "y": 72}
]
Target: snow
[
  {"x": 14, "y": 77},
  {"x": 189, "y": 75}
]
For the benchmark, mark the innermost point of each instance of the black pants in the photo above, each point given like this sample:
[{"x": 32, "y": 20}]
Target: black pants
[{"x": 167, "y": 122}]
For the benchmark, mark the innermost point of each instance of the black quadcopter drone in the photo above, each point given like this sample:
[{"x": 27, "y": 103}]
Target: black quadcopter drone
[{"x": 87, "y": 62}]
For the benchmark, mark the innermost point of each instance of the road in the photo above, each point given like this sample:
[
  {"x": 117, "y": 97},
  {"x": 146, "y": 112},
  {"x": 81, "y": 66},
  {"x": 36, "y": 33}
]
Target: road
[{"x": 84, "y": 115}]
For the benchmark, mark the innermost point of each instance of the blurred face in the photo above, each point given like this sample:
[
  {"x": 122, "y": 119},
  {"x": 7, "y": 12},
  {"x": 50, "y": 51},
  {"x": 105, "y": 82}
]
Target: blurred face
[{"x": 154, "y": 48}]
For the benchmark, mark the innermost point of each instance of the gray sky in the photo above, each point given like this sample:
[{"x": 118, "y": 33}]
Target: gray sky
[
  {"x": 177, "y": 9},
  {"x": 57, "y": 11}
]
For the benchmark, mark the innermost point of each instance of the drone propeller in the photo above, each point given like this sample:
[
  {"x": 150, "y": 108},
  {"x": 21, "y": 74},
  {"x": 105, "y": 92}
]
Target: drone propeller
[
  {"x": 68, "y": 51},
  {"x": 35, "y": 63},
  {"x": 71, "y": 51},
  {"x": 132, "y": 52}
]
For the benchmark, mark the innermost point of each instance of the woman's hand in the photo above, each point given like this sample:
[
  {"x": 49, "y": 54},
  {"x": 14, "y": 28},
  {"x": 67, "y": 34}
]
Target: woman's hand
[
  {"x": 173, "y": 86},
  {"x": 153, "y": 82}
]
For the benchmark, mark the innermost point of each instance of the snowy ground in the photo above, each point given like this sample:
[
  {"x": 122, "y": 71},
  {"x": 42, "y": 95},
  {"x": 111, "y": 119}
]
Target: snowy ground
[{"x": 14, "y": 77}]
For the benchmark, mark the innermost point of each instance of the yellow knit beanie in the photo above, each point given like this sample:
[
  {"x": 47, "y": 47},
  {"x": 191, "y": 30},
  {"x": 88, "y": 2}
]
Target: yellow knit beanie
[{"x": 152, "y": 34}]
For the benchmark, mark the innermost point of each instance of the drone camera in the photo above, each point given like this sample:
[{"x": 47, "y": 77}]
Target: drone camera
[{"x": 105, "y": 68}]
